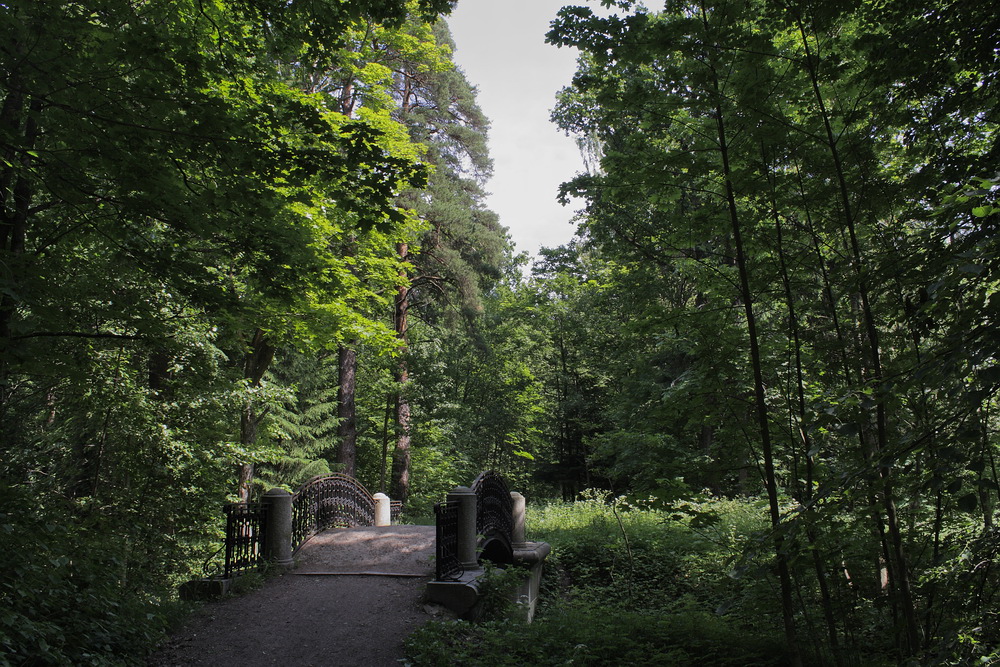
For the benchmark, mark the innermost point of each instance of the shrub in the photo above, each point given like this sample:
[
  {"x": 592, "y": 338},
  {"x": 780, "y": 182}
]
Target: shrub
[{"x": 63, "y": 600}]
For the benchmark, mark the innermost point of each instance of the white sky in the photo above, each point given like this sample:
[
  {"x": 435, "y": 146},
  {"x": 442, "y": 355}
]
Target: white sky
[{"x": 500, "y": 45}]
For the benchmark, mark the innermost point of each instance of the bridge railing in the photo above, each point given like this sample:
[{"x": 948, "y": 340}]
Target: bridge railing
[
  {"x": 484, "y": 522},
  {"x": 448, "y": 566},
  {"x": 475, "y": 523},
  {"x": 329, "y": 501},
  {"x": 494, "y": 514},
  {"x": 395, "y": 510},
  {"x": 245, "y": 526},
  {"x": 277, "y": 527}
]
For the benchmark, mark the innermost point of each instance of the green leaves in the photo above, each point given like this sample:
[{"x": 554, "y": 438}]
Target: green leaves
[
  {"x": 870, "y": 255},
  {"x": 166, "y": 190}
]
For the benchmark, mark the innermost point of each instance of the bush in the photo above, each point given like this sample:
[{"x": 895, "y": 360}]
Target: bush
[
  {"x": 63, "y": 600},
  {"x": 634, "y": 555}
]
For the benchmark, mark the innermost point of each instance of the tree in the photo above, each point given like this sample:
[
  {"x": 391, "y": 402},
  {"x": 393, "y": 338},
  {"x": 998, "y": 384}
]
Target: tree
[
  {"x": 800, "y": 126},
  {"x": 171, "y": 212},
  {"x": 459, "y": 254}
]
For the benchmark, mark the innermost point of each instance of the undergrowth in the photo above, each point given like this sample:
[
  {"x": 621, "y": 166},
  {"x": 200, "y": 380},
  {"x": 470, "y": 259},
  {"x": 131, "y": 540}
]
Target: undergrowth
[
  {"x": 586, "y": 635},
  {"x": 65, "y": 599},
  {"x": 630, "y": 584}
]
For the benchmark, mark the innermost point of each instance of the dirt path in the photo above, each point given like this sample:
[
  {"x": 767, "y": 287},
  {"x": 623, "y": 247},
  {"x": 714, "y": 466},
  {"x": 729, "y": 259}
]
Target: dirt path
[{"x": 300, "y": 619}]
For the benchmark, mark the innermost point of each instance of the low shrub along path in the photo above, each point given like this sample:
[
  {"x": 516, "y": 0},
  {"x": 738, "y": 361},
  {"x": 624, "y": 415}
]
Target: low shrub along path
[{"x": 353, "y": 597}]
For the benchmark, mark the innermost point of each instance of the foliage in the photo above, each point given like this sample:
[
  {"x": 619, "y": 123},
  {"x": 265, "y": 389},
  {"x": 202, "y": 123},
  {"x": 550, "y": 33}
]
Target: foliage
[
  {"x": 478, "y": 398},
  {"x": 461, "y": 251},
  {"x": 173, "y": 208},
  {"x": 302, "y": 425},
  {"x": 593, "y": 637},
  {"x": 656, "y": 601},
  {"x": 784, "y": 284},
  {"x": 788, "y": 228},
  {"x": 495, "y": 601},
  {"x": 610, "y": 551},
  {"x": 117, "y": 610}
]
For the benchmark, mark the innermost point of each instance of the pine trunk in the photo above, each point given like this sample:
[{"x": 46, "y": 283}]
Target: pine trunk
[
  {"x": 401, "y": 454},
  {"x": 347, "y": 427}
]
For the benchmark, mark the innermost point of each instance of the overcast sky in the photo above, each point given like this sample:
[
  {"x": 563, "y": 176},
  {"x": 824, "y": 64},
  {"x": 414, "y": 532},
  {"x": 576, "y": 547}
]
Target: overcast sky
[{"x": 500, "y": 45}]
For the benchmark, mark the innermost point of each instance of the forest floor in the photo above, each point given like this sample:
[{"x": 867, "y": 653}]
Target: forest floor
[{"x": 319, "y": 613}]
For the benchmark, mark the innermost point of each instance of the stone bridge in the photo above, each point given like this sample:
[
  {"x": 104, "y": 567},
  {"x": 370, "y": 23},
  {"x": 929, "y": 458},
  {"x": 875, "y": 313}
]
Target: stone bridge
[{"x": 482, "y": 522}]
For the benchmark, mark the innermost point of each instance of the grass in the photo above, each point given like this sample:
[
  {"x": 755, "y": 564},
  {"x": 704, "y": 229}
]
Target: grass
[{"x": 629, "y": 584}]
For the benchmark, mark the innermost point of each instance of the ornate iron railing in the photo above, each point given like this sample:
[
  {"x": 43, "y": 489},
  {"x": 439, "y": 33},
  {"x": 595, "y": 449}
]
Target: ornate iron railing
[
  {"x": 446, "y": 561},
  {"x": 244, "y": 537},
  {"x": 329, "y": 501},
  {"x": 322, "y": 502},
  {"x": 494, "y": 526},
  {"x": 494, "y": 511}
]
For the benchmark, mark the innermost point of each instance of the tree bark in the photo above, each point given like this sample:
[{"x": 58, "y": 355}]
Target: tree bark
[
  {"x": 347, "y": 427},
  {"x": 898, "y": 562},
  {"x": 256, "y": 362},
  {"x": 800, "y": 417},
  {"x": 18, "y": 118},
  {"x": 383, "y": 470},
  {"x": 401, "y": 454},
  {"x": 770, "y": 480}
]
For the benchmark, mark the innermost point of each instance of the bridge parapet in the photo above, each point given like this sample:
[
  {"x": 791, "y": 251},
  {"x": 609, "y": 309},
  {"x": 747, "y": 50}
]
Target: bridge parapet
[
  {"x": 335, "y": 500},
  {"x": 274, "y": 529},
  {"x": 485, "y": 522}
]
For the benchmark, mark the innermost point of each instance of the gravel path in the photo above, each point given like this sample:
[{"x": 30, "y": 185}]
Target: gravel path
[{"x": 316, "y": 614}]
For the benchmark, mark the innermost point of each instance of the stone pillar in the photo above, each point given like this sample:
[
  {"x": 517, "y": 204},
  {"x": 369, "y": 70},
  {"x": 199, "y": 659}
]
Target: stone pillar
[
  {"x": 383, "y": 510},
  {"x": 517, "y": 513},
  {"x": 278, "y": 532},
  {"x": 466, "y": 499}
]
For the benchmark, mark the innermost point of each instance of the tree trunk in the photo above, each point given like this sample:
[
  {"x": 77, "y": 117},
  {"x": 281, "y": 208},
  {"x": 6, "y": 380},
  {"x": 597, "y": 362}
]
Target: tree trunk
[
  {"x": 898, "y": 563},
  {"x": 800, "y": 417},
  {"x": 770, "y": 480},
  {"x": 383, "y": 470},
  {"x": 401, "y": 454},
  {"x": 16, "y": 194},
  {"x": 256, "y": 362},
  {"x": 347, "y": 427}
]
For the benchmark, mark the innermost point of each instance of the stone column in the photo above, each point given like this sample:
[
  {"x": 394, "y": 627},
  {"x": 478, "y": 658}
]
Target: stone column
[
  {"x": 517, "y": 513},
  {"x": 383, "y": 510},
  {"x": 278, "y": 532},
  {"x": 466, "y": 499}
]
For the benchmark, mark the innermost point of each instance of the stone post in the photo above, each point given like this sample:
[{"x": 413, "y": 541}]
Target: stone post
[
  {"x": 517, "y": 513},
  {"x": 383, "y": 510},
  {"x": 466, "y": 499},
  {"x": 278, "y": 531}
]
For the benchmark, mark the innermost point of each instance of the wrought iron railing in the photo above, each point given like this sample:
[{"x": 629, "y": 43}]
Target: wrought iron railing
[
  {"x": 329, "y": 501},
  {"x": 494, "y": 526},
  {"x": 336, "y": 500},
  {"x": 448, "y": 566},
  {"x": 244, "y": 537},
  {"x": 494, "y": 509}
]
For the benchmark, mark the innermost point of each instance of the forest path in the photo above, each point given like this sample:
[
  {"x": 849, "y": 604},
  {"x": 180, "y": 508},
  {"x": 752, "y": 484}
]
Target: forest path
[{"x": 316, "y": 614}]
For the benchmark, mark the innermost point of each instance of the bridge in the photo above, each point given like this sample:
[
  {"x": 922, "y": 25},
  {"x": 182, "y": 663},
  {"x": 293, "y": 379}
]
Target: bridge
[{"x": 482, "y": 522}]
